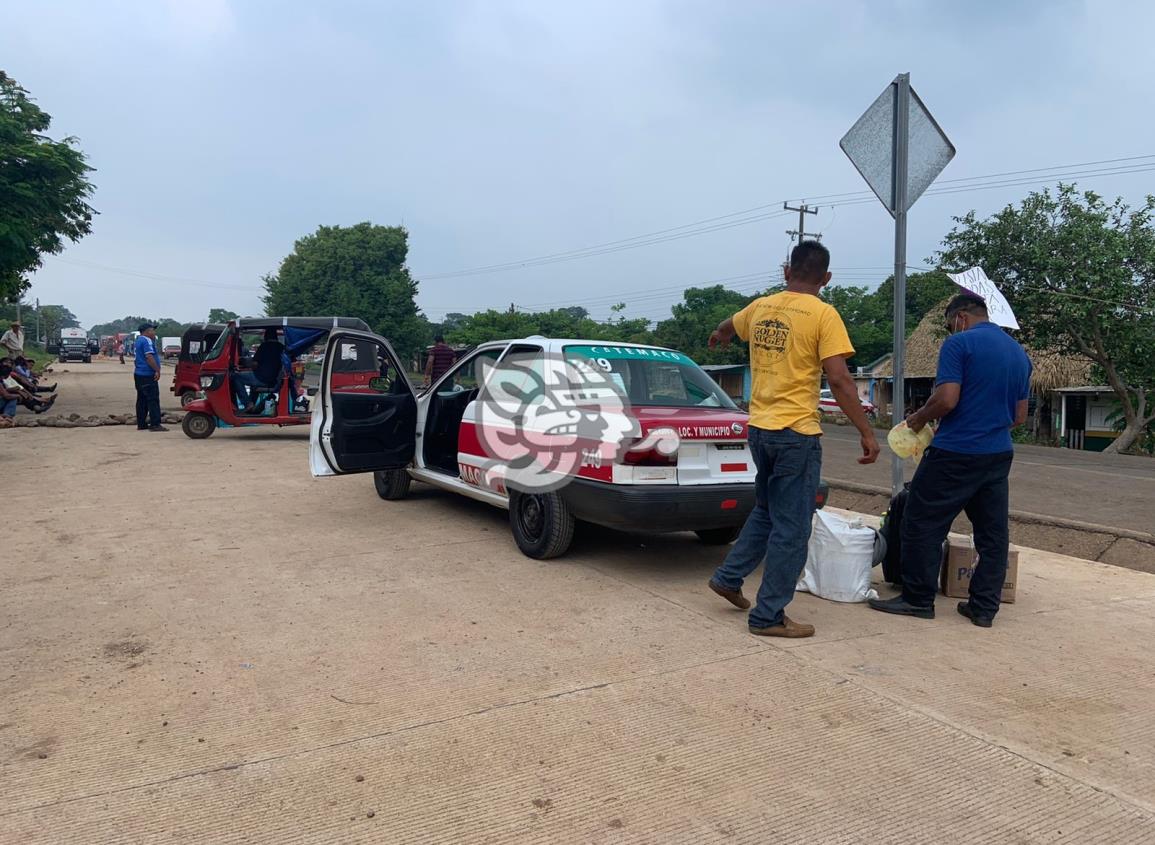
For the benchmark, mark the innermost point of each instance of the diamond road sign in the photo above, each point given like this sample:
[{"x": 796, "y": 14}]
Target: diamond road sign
[{"x": 870, "y": 145}]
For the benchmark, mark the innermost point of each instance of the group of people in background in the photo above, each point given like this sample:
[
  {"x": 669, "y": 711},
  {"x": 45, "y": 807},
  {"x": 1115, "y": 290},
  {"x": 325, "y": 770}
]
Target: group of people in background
[{"x": 20, "y": 383}]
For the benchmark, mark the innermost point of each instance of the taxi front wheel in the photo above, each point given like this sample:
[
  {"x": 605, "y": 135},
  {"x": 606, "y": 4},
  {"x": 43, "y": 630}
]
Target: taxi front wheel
[
  {"x": 392, "y": 484},
  {"x": 542, "y": 524}
]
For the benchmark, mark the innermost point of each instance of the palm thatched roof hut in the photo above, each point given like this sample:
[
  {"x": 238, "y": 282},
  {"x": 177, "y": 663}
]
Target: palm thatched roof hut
[
  {"x": 922, "y": 347},
  {"x": 1052, "y": 370}
]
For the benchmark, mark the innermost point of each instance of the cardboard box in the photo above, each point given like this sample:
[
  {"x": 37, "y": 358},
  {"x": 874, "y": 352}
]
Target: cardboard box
[{"x": 958, "y": 565}]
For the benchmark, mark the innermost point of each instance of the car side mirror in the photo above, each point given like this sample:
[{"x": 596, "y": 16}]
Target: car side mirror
[{"x": 380, "y": 384}]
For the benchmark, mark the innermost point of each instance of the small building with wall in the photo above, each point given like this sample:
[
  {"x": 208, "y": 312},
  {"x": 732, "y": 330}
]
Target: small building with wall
[
  {"x": 734, "y": 379},
  {"x": 1052, "y": 373},
  {"x": 1081, "y": 417}
]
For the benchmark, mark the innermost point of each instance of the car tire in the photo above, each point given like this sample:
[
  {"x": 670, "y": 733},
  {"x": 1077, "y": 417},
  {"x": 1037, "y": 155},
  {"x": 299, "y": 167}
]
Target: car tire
[
  {"x": 198, "y": 426},
  {"x": 392, "y": 484},
  {"x": 541, "y": 523},
  {"x": 719, "y": 536}
]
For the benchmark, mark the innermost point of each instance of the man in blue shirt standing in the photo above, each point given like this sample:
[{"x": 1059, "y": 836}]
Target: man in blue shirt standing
[
  {"x": 146, "y": 374},
  {"x": 980, "y": 394}
]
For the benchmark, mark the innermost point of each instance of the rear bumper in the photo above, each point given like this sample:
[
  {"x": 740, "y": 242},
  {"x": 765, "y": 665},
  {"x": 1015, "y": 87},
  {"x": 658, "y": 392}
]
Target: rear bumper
[
  {"x": 659, "y": 507},
  {"x": 665, "y": 507}
]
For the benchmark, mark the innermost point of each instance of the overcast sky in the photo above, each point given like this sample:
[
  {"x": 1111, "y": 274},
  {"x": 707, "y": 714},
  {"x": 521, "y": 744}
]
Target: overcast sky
[{"x": 222, "y": 130}]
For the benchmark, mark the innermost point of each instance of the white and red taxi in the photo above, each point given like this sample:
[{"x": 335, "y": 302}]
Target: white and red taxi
[{"x": 623, "y": 435}]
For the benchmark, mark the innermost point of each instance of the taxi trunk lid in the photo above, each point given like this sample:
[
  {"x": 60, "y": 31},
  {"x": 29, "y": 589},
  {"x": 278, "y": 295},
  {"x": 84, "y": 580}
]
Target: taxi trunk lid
[{"x": 712, "y": 448}]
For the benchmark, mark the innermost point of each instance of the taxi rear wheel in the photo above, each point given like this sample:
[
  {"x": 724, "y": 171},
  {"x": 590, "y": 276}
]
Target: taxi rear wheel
[
  {"x": 392, "y": 484},
  {"x": 719, "y": 536},
  {"x": 542, "y": 524}
]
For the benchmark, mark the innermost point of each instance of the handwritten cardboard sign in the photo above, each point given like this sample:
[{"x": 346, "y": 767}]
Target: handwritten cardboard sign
[{"x": 976, "y": 281}]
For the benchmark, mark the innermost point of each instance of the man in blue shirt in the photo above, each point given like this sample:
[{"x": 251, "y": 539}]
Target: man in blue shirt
[
  {"x": 146, "y": 374},
  {"x": 980, "y": 394}
]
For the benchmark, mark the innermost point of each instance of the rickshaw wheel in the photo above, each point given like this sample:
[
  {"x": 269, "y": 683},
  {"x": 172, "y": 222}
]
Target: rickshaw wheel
[
  {"x": 198, "y": 426},
  {"x": 188, "y": 396},
  {"x": 392, "y": 484}
]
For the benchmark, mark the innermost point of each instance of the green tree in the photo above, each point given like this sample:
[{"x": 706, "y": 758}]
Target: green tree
[
  {"x": 869, "y": 320},
  {"x": 354, "y": 271},
  {"x": 560, "y": 322},
  {"x": 698, "y": 314},
  {"x": 869, "y": 315},
  {"x": 221, "y": 315},
  {"x": 52, "y": 319},
  {"x": 121, "y": 326},
  {"x": 168, "y": 327},
  {"x": 165, "y": 326},
  {"x": 1080, "y": 275},
  {"x": 43, "y": 189}
]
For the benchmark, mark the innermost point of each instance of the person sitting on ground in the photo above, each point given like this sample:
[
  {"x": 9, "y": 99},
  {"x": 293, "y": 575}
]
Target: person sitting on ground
[
  {"x": 14, "y": 391},
  {"x": 22, "y": 372},
  {"x": 25, "y": 383},
  {"x": 9, "y": 399},
  {"x": 267, "y": 367}
]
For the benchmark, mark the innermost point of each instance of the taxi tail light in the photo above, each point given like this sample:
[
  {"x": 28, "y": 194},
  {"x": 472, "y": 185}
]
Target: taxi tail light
[{"x": 648, "y": 458}]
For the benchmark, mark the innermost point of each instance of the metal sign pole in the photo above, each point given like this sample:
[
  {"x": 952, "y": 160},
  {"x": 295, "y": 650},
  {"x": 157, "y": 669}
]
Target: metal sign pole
[
  {"x": 901, "y": 150},
  {"x": 879, "y": 146}
]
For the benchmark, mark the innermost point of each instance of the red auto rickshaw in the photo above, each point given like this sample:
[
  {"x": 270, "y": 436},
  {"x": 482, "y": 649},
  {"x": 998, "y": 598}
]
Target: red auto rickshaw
[
  {"x": 227, "y": 403},
  {"x": 194, "y": 345}
]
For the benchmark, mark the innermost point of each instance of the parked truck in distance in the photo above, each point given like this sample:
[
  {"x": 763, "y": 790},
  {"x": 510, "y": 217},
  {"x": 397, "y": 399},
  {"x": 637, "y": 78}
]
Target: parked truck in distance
[
  {"x": 73, "y": 346},
  {"x": 170, "y": 347}
]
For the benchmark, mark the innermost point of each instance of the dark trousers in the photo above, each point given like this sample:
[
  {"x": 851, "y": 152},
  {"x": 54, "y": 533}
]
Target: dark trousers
[
  {"x": 147, "y": 401},
  {"x": 944, "y": 485}
]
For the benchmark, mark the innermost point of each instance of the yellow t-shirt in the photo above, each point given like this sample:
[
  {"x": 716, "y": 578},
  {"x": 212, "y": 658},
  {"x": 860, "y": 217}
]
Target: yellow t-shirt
[{"x": 790, "y": 334}]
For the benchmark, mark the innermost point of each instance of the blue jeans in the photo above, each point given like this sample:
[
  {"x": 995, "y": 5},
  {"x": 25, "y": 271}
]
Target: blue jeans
[
  {"x": 944, "y": 485},
  {"x": 9, "y": 408},
  {"x": 778, "y": 529},
  {"x": 242, "y": 380},
  {"x": 147, "y": 402}
]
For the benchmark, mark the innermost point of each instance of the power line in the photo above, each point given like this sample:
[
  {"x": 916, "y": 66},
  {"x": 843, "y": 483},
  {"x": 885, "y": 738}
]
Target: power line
[
  {"x": 141, "y": 274},
  {"x": 745, "y": 217},
  {"x": 759, "y": 213}
]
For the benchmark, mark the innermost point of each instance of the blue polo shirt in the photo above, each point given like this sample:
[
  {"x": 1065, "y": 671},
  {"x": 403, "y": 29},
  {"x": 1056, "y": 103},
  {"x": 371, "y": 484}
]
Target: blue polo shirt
[
  {"x": 994, "y": 375},
  {"x": 144, "y": 346}
]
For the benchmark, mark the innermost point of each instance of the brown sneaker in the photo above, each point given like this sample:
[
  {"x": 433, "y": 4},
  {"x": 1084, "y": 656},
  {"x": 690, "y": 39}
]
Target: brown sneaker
[
  {"x": 735, "y": 597},
  {"x": 789, "y": 628}
]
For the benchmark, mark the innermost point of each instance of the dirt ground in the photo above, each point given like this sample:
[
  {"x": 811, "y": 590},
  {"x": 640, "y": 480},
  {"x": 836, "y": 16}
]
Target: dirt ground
[{"x": 200, "y": 643}]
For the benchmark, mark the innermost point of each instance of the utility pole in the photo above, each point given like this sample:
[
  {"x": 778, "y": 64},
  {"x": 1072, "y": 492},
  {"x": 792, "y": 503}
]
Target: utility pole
[{"x": 802, "y": 210}]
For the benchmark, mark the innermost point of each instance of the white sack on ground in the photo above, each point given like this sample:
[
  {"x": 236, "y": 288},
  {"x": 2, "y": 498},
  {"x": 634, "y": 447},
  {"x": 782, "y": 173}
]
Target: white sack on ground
[{"x": 839, "y": 559}]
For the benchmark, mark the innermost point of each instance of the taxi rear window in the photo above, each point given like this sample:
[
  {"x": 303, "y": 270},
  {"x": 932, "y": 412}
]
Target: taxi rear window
[{"x": 653, "y": 377}]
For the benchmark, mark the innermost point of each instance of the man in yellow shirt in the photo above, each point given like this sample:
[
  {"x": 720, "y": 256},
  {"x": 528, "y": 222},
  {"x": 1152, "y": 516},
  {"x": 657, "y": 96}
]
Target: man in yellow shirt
[{"x": 794, "y": 336}]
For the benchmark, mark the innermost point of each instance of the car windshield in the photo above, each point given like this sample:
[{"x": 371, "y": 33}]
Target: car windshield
[
  {"x": 654, "y": 377},
  {"x": 218, "y": 347}
]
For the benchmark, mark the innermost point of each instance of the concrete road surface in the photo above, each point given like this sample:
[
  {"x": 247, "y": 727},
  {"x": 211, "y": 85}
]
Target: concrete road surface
[
  {"x": 1113, "y": 490},
  {"x": 199, "y": 643}
]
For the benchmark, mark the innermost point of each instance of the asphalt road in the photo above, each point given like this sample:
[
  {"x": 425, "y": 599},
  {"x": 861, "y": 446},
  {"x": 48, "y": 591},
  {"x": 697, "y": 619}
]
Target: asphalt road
[{"x": 1114, "y": 490}]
